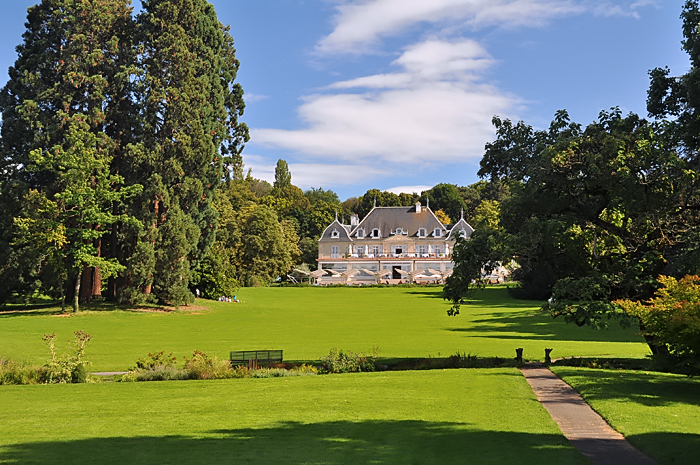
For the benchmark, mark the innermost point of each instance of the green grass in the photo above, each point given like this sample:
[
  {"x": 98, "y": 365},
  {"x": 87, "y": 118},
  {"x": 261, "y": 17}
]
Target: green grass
[
  {"x": 307, "y": 322},
  {"x": 428, "y": 417},
  {"x": 659, "y": 413}
]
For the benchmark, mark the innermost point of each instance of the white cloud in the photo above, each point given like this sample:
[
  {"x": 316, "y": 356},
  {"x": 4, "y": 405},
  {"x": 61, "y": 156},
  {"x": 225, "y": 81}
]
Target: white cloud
[
  {"x": 361, "y": 24},
  {"x": 306, "y": 175},
  {"x": 250, "y": 97},
  {"x": 436, "y": 110},
  {"x": 630, "y": 9},
  {"x": 427, "y": 62},
  {"x": 408, "y": 189}
]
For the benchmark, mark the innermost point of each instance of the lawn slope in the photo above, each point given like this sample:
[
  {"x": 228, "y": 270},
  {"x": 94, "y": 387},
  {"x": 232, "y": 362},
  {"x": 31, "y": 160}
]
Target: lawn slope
[{"x": 307, "y": 322}]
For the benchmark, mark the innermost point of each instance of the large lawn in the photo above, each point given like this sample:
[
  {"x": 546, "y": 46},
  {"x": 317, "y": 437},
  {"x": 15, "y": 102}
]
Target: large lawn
[
  {"x": 425, "y": 417},
  {"x": 441, "y": 417},
  {"x": 307, "y": 322}
]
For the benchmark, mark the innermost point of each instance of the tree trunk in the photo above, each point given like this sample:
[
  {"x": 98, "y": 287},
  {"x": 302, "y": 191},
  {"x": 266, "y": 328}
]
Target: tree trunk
[
  {"x": 112, "y": 284},
  {"x": 76, "y": 294},
  {"x": 86, "y": 285},
  {"x": 63, "y": 298}
]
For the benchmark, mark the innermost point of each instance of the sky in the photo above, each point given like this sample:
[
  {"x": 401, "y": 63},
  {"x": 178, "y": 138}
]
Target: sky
[{"x": 399, "y": 94}]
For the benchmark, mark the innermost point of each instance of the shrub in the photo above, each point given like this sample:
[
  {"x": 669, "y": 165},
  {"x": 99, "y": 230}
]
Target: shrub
[
  {"x": 156, "y": 360},
  {"x": 66, "y": 368},
  {"x": 200, "y": 366},
  {"x": 338, "y": 361},
  {"x": 12, "y": 372},
  {"x": 672, "y": 318},
  {"x": 159, "y": 367},
  {"x": 157, "y": 373}
]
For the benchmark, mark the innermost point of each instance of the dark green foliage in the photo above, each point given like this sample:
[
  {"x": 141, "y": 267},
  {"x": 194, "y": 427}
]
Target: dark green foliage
[
  {"x": 592, "y": 214},
  {"x": 473, "y": 257},
  {"x": 320, "y": 195},
  {"x": 99, "y": 105},
  {"x": 375, "y": 197},
  {"x": 283, "y": 177},
  {"x": 678, "y": 98},
  {"x": 63, "y": 109},
  {"x": 191, "y": 109},
  {"x": 445, "y": 197}
]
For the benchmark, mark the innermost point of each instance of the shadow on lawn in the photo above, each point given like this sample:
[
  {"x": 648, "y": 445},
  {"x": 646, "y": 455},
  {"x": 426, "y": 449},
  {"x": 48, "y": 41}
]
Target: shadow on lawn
[
  {"x": 341, "y": 442},
  {"x": 651, "y": 390},
  {"x": 541, "y": 326},
  {"x": 676, "y": 448}
]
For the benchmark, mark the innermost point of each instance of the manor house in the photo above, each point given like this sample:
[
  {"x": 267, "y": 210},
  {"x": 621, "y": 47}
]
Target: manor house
[{"x": 390, "y": 243}]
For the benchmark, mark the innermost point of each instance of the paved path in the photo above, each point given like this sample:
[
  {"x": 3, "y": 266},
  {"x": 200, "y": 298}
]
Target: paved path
[{"x": 581, "y": 425}]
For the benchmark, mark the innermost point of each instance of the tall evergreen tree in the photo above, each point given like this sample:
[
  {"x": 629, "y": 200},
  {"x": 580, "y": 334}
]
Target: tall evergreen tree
[
  {"x": 61, "y": 108},
  {"x": 191, "y": 107},
  {"x": 283, "y": 177}
]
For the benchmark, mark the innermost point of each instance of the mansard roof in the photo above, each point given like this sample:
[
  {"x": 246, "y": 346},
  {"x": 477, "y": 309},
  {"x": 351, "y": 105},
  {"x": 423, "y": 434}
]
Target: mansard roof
[
  {"x": 389, "y": 219},
  {"x": 342, "y": 229},
  {"x": 456, "y": 228}
]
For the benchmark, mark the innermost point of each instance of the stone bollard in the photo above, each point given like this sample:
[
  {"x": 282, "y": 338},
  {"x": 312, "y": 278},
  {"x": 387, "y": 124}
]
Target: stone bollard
[
  {"x": 547, "y": 358},
  {"x": 519, "y": 355}
]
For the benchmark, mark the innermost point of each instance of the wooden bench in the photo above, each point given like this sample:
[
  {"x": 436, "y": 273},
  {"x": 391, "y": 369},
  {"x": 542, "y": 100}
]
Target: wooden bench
[{"x": 240, "y": 357}]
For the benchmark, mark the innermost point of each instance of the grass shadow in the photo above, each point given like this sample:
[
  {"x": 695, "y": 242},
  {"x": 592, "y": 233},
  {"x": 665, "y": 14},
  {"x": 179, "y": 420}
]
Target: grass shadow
[
  {"x": 329, "y": 443},
  {"x": 102, "y": 306},
  {"x": 676, "y": 448},
  {"x": 650, "y": 390},
  {"x": 538, "y": 325}
]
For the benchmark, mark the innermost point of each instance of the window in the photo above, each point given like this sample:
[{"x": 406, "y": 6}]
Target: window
[
  {"x": 438, "y": 249},
  {"x": 463, "y": 233},
  {"x": 398, "y": 231},
  {"x": 335, "y": 234},
  {"x": 376, "y": 232},
  {"x": 334, "y": 251},
  {"x": 360, "y": 233},
  {"x": 376, "y": 250},
  {"x": 437, "y": 232},
  {"x": 360, "y": 250},
  {"x": 422, "y": 232},
  {"x": 422, "y": 249}
]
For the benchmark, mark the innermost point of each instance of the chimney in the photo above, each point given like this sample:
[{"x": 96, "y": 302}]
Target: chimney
[
  {"x": 354, "y": 220},
  {"x": 417, "y": 207}
]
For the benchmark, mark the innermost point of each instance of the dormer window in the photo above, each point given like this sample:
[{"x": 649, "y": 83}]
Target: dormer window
[
  {"x": 437, "y": 232},
  {"x": 360, "y": 233},
  {"x": 422, "y": 232},
  {"x": 335, "y": 234},
  {"x": 376, "y": 232},
  {"x": 463, "y": 233},
  {"x": 398, "y": 231}
]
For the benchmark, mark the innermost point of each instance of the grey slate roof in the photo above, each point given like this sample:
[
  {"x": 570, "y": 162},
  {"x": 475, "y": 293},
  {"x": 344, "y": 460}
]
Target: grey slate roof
[
  {"x": 388, "y": 219},
  {"x": 343, "y": 232},
  {"x": 456, "y": 228}
]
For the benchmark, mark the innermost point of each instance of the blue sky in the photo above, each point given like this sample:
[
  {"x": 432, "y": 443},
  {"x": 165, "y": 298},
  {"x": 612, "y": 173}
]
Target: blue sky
[{"x": 399, "y": 94}]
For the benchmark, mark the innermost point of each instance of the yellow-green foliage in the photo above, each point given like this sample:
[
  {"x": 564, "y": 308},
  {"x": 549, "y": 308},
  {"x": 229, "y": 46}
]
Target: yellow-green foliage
[
  {"x": 673, "y": 315},
  {"x": 12, "y": 372}
]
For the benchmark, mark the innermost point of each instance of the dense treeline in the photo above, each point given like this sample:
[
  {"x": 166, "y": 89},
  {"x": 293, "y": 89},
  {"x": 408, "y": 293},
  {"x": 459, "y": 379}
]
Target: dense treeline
[
  {"x": 596, "y": 215},
  {"x": 266, "y": 230},
  {"x": 115, "y": 132}
]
